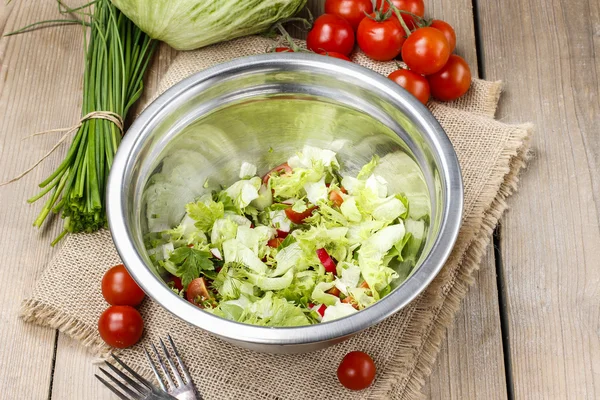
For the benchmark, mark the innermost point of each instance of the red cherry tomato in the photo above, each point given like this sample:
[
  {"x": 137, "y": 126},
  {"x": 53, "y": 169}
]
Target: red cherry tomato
[
  {"x": 282, "y": 234},
  {"x": 416, "y": 7},
  {"x": 336, "y": 197},
  {"x": 297, "y": 217},
  {"x": 452, "y": 81},
  {"x": 334, "y": 54},
  {"x": 356, "y": 371},
  {"x": 283, "y": 50},
  {"x": 326, "y": 260},
  {"x": 426, "y": 51},
  {"x": 120, "y": 326},
  {"x": 331, "y": 33},
  {"x": 447, "y": 30},
  {"x": 321, "y": 310},
  {"x": 416, "y": 84},
  {"x": 177, "y": 283},
  {"x": 197, "y": 292},
  {"x": 119, "y": 288},
  {"x": 275, "y": 242},
  {"x": 283, "y": 169},
  {"x": 352, "y": 11},
  {"x": 381, "y": 41}
]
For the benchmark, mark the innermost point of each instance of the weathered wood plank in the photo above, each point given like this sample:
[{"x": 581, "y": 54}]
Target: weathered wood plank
[
  {"x": 470, "y": 364},
  {"x": 548, "y": 53},
  {"x": 38, "y": 90}
]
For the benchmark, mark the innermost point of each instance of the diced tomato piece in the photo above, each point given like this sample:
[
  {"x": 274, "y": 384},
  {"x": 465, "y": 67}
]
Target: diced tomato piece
[
  {"x": 343, "y": 190},
  {"x": 297, "y": 217},
  {"x": 275, "y": 242},
  {"x": 283, "y": 169},
  {"x": 336, "y": 197},
  {"x": 321, "y": 310},
  {"x": 310, "y": 305},
  {"x": 197, "y": 288},
  {"x": 350, "y": 301},
  {"x": 282, "y": 234},
  {"x": 334, "y": 291},
  {"x": 177, "y": 283},
  {"x": 364, "y": 285},
  {"x": 191, "y": 245},
  {"x": 326, "y": 260}
]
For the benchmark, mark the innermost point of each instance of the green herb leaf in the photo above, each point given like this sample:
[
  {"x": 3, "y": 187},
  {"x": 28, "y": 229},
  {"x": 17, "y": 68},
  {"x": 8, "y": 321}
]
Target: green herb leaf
[
  {"x": 190, "y": 263},
  {"x": 205, "y": 215}
]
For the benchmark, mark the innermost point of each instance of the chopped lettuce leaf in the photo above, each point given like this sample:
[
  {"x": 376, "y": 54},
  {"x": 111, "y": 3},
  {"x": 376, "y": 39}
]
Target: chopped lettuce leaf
[
  {"x": 370, "y": 257},
  {"x": 264, "y": 199},
  {"x": 244, "y": 191},
  {"x": 312, "y": 156},
  {"x": 223, "y": 229},
  {"x": 337, "y": 311},
  {"x": 247, "y": 170},
  {"x": 234, "y": 251},
  {"x": 349, "y": 209},
  {"x": 320, "y": 297},
  {"x": 368, "y": 168},
  {"x": 280, "y": 221},
  {"x": 316, "y": 191},
  {"x": 349, "y": 277}
]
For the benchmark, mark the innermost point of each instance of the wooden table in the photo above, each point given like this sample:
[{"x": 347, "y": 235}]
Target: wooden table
[{"x": 529, "y": 328}]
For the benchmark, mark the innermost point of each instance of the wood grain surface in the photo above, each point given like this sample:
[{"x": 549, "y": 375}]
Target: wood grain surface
[{"x": 546, "y": 52}]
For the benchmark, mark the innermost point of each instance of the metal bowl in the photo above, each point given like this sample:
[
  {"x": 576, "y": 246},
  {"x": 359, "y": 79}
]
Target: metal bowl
[{"x": 262, "y": 109}]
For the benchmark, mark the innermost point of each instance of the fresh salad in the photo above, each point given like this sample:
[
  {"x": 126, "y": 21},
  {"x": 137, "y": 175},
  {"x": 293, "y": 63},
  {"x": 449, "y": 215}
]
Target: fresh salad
[{"x": 298, "y": 246}]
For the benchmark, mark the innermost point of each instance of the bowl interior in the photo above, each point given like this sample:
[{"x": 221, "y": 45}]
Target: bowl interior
[{"x": 195, "y": 137}]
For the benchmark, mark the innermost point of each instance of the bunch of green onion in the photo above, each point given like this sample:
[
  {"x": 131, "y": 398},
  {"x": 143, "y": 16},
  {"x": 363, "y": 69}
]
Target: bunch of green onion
[{"x": 117, "y": 57}]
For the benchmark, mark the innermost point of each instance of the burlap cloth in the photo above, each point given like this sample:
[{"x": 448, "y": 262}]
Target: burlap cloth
[{"x": 404, "y": 346}]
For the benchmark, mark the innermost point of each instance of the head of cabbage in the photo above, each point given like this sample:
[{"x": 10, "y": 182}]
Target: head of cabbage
[{"x": 191, "y": 24}]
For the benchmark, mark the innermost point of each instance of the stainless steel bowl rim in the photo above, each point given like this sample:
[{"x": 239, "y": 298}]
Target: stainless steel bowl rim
[{"x": 340, "y": 328}]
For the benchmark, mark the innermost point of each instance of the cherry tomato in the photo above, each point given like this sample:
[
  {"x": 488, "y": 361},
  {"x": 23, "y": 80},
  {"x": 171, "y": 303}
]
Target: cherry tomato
[
  {"x": 352, "y": 11},
  {"x": 119, "y": 288},
  {"x": 297, "y": 217},
  {"x": 282, "y": 234},
  {"x": 177, "y": 283},
  {"x": 331, "y": 33},
  {"x": 197, "y": 292},
  {"x": 283, "y": 169},
  {"x": 275, "y": 242},
  {"x": 416, "y": 7},
  {"x": 321, "y": 310},
  {"x": 336, "y": 197},
  {"x": 326, "y": 260},
  {"x": 335, "y": 54},
  {"x": 120, "y": 326},
  {"x": 380, "y": 40},
  {"x": 426, "y": 51},
  {"x": 356, "y": 371},
  {"x": 452, "y": 81},
  {"x": 416, "y": 84},
  {"x": 283, "y": 50},
  {"x": 447, "y": 30}
]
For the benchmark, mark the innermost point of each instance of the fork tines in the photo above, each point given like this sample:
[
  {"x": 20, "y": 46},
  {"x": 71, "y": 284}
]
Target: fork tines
[
  {"x": 136, "y": 388},
  {"x": 173, "y": 368}
]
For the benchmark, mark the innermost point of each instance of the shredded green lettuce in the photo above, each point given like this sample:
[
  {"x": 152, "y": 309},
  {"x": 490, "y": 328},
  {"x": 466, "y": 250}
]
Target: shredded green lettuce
[{"x": 266, "y": 267}]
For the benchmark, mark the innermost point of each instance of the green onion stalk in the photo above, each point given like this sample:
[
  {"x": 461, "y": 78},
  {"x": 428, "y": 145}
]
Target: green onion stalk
[{"x": 118, "y": 54}]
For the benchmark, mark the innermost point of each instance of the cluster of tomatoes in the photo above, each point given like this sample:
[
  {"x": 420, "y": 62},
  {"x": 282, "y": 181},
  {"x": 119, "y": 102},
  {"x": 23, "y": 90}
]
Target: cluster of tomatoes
[
  {"x": 389, "y": 29},
  {"x": 121, "y": 325}
]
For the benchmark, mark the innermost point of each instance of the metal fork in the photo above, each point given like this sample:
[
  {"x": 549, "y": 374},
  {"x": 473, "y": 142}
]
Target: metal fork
[
  {"x": 182, "y": 390},
  {"x": 140, "y": 390}
]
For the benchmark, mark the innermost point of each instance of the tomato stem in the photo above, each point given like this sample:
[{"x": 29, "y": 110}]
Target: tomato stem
[{"x": 400, "y": 19}]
